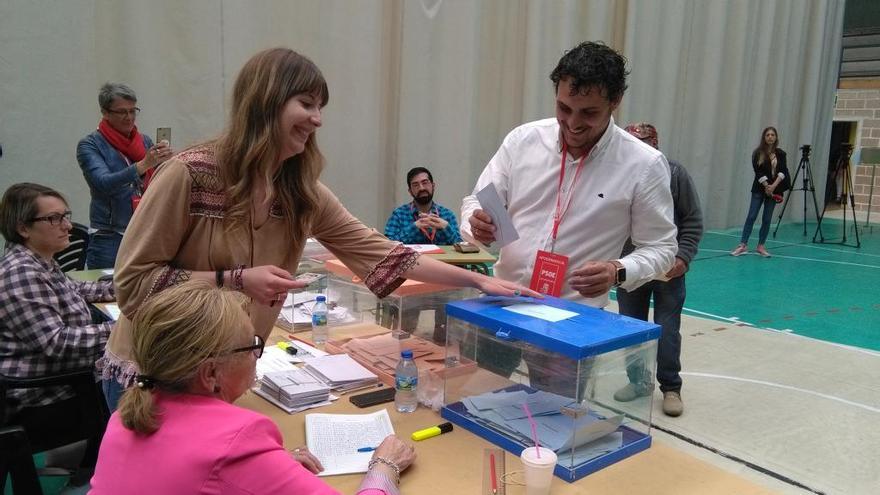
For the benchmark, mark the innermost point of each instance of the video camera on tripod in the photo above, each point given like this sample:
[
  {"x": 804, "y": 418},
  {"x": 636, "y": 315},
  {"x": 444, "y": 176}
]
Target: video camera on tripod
[
  {"x": 806, "y": 185},
  {"x": 842, "y": 172}
]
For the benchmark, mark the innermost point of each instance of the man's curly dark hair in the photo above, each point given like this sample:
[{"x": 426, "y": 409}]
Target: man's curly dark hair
[{"x": 592, "y": 64}]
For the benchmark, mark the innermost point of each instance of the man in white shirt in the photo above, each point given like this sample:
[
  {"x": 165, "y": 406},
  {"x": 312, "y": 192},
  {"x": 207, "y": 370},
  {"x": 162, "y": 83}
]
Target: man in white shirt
[{"x": 577, "y": 187}]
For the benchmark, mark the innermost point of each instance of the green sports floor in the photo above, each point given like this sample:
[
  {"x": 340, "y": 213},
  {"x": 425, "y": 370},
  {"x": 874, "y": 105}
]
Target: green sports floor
[{"x": 824, "y": 291}]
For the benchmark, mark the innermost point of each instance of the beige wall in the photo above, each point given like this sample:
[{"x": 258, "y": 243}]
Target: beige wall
[{"x": 858, "y": 100}]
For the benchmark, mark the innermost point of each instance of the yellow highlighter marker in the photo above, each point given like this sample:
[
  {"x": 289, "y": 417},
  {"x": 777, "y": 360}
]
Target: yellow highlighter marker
[{"x": 432, "y": 431}]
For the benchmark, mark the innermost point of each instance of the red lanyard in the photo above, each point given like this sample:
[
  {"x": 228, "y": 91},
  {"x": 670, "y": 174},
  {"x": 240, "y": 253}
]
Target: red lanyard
[
  {"x": 416, "y": 214},
  {"x": 560, "y": 209}
]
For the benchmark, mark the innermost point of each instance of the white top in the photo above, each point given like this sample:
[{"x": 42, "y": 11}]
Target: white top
[{"x": 623, "y": 192}]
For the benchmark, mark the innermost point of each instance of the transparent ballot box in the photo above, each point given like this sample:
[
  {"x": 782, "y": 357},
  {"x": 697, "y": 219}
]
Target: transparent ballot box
[
  {"x": 295, "y": 314},
  {"x": 559, "y": 361},
  {"x": 414, "y": 308}
]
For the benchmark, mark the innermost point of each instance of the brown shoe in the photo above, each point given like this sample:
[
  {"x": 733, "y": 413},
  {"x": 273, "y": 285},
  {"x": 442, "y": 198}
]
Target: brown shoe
[
  {"x": 672, "y": 405},
  {"x": 633, "y": 391}
]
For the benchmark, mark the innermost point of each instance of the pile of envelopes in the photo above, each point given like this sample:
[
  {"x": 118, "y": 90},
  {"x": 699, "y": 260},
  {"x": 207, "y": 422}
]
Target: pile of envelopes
[
  {"x": 380, "y": 353},
  {"x": 579, "y": 439}
]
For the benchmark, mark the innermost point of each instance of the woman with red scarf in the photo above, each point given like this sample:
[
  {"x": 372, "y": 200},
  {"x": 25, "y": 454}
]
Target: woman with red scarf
[{"x": 116, "y": 160}]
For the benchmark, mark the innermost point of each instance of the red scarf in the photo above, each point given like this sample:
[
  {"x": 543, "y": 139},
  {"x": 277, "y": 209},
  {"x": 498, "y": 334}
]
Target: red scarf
[{"x": 130, "y": 146}]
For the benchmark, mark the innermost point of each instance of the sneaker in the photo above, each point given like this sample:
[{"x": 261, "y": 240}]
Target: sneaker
[
  {"x": 762, "y": 251},
  {"x": 672, "y": 405},
  {"x": 741, "y": 249},
  {"x": 633, "y": 391}
]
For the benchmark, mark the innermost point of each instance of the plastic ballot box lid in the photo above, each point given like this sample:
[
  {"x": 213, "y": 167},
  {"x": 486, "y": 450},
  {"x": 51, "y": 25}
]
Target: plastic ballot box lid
[{"x": 556, "y": 325}]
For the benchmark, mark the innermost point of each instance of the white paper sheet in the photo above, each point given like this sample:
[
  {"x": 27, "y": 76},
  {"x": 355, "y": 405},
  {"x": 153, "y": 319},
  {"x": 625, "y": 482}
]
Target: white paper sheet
[
  {"x": 425, "y": 248},
  {"x": 335, "y": 439},
  {"x": 112, "y": 311},
  {"x": 490, "y": 202},
  {"x": 339, "y": 368},
  {"x": 292, "y": 410},
  {"x": 541, "y": 311}
]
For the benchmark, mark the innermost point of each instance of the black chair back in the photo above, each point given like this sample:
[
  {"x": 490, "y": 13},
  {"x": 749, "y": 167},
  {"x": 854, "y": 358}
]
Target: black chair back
[
  {"x": 17, "y": 445},
  {"x": 73, "y": 257},
  {"x": 16, "y": 460}
]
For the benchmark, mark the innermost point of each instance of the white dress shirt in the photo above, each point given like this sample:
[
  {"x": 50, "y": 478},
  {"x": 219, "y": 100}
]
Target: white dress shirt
[{"x": 623, "y": 192}]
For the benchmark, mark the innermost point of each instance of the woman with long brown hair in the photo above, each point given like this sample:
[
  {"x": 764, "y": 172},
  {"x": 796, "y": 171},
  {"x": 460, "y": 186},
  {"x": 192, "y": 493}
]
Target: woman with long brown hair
[
  {"x": 771, "y": 180},
  {"x": 236, "y": 212}
]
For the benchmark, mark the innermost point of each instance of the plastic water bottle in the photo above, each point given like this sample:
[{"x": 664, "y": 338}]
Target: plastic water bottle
[
  {"x": 406, "y": 381},
  {"x": 319, "y": 321}
]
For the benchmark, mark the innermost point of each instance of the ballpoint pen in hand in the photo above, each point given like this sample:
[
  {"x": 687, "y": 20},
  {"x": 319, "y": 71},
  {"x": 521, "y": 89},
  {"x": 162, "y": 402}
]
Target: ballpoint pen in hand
[{"x": 366, "y": 449}]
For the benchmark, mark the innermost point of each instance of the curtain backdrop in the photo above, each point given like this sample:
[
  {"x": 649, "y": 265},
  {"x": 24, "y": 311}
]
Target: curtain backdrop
[{"x": 436, "y": 83}]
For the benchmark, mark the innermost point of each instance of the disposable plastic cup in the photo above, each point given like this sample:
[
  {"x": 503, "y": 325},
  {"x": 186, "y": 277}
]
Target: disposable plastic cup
[{"x": 538, "y": 472}]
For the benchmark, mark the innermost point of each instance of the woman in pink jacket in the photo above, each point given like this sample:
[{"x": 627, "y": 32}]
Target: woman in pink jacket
[{"x": 177, "y": 430}]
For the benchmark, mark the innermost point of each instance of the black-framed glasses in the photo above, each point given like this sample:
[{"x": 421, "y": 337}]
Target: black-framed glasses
[
  {"x": 55, "y": 219},
  {"x": 122, "y": 113},
  {"x": 257, "y": 347}
]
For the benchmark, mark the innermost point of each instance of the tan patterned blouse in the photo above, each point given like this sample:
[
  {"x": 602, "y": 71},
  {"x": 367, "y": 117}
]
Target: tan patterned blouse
[{"x": 178, "y": 228}]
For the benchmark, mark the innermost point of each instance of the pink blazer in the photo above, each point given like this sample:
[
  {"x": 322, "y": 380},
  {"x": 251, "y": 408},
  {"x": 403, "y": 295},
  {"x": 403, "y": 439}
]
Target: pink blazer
[{"x": 205, "y": 446}]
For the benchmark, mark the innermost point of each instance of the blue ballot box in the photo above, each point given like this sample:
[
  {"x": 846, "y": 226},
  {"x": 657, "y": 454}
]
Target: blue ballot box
[{"x": 562, "y": 360}]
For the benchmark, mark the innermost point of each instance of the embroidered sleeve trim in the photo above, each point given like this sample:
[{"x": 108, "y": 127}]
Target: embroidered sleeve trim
[
  {"x": 167, "y": 277},
  {"x": 386, "y": 276}
]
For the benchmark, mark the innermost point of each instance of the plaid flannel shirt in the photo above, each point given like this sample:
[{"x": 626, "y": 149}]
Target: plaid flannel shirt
[
  {"x": 401, "y": 226},
  {"x": 45, "y": 324}
]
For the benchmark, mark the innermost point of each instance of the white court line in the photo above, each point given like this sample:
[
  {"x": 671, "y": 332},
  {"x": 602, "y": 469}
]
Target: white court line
[
  {"x": 781, "y": 243},
  {"x": 830, "y": 262},
  {"x": 787, "y": 331},
  {"x": 782, "y": 256},
  {"x": 785, "y": 387}
]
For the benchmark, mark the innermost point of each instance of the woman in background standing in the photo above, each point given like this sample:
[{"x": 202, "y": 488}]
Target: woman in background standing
[
  {"x": 116, "y": 159},
  {"x": 771, "y": 181}
]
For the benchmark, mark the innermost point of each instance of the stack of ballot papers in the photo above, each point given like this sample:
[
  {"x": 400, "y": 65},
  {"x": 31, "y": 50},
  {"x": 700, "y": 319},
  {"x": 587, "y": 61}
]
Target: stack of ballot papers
[
  {"x": 294, "y": 388},
  {"x": 276, "y": 375},
  {"x": 585, "y": 438},
  {"x": 340, "y": 372},
  {"x": 297, "y": 310}
]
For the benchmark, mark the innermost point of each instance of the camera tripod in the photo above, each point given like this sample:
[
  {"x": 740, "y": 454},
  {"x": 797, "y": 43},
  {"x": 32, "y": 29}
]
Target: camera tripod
[
  {"x": 807, "y": 185},
  {"x": 842, "y": 167}
]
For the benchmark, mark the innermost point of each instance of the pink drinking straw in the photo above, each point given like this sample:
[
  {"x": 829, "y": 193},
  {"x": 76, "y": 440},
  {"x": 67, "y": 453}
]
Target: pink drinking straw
[{"x": 534, "y": 429}]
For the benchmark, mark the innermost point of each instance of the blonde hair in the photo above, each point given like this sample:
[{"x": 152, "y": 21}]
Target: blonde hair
[
  {"x": 173, "y": 333},
  {"x": 250, "y": 145}
]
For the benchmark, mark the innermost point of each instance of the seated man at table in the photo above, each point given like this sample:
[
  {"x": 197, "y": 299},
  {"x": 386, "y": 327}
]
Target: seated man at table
[{"x": 422, "y": 221}]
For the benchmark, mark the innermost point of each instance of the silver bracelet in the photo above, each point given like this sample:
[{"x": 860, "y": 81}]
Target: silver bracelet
[{"x": 388, "y": 463}]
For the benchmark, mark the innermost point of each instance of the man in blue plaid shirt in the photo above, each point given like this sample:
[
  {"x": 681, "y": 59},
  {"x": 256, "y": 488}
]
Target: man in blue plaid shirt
[{"x": 422, "y": 221}]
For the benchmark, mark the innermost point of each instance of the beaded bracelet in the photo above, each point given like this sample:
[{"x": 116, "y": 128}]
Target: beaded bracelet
[
  {"x": 388, "y": 463},
  {"x": 235, "y": 275}
]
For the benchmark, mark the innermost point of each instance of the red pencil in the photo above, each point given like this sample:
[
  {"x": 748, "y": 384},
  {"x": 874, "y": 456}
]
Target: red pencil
[{"x": 492, "y": 474}]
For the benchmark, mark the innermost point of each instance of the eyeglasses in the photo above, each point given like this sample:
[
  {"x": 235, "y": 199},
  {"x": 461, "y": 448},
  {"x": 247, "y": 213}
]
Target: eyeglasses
[
  {"x": 256, "y": 348},
  {"x": 122, "y": 113},
  {"x": 55, "y": 219}
]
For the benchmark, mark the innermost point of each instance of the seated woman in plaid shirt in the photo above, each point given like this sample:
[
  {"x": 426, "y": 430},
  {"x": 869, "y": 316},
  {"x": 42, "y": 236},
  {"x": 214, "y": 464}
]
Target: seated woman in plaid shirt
[{"x": 45, "y": 324}]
